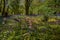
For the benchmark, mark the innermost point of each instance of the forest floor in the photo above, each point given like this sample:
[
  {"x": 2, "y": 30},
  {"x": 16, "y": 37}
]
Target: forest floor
[{"x": 30, "y": 28}]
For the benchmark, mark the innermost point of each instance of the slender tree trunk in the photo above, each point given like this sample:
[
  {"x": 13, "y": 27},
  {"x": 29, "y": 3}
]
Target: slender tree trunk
[
  {"x": 4, "y": 13},
  {"x": 27, "y": 7}
]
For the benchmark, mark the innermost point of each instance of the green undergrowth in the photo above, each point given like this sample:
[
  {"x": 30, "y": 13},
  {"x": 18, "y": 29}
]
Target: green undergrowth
[{"x": 14, "y": 30}]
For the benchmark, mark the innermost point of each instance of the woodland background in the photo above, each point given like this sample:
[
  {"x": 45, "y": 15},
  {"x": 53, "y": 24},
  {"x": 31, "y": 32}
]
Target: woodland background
[{"x": 29, "y": 19}]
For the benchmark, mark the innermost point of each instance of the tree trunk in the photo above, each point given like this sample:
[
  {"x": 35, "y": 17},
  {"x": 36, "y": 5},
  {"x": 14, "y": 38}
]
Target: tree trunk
[
  {"x": 4, "y": 13},
  {"x": 27, "y": 7}
]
